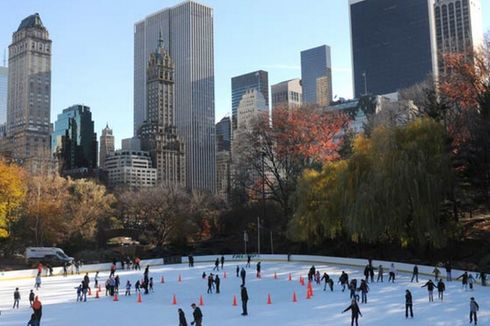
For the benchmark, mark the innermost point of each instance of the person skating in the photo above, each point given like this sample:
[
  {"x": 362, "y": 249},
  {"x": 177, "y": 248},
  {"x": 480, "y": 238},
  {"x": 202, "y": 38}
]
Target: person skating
[
  {"x": 344, "y": 280},
  {"x": 483, "y": 278},
  {"x": 430, "y": 287},
  {"x": 217, "y": 282},
  {"x": 244, "y": 296},
  {"x": 216, "y": 265},
  {"x": 408, "y": 304},
  {"x": 464, "y": 280},
  {"x": 237, "y": 271},
  {"x": 37, "y": 284},
  {"x": 96, "y": 279},
  {"x": 137, "y": 262},
  {"x": 380, "y": 273},
  {"x": 39, "y": 268},
  {"x": 16, "y": 298},
  {"x": 146, "y": 280},
  {"x": 325, "y": 278},
  {"x": 182, "y": 320},
  {"x": 77, "y": 267},
  {"x": 353, "y": 288},
  {"x": 137, "y": 286},
  {"x": 258, "y": 269},
  {"x": 436, "y": 272},
  {"x": 311, "y": 273},
  {"x": 117, "y": 282},
  {"x": 371, "y": 271},
  {"x": 448, "y": 271},
  {"x": 79, "y": 292},
  {"x": 415, "y": 274},
  {"x": 203, "y": 275},
  {"x": 32, "y": 321},
  {"x": 107, "y": 286},
  {"x": 366, "y": 273},
  {"x": 210, "y": 283},
  {"x": 471, "y": 281},
  {"x": 191, "y": 264},
  {"x": 243, "y": 274},
  {"x": 197, "y": 314},
  {"x": 113, "y": 270},
  {"x": 128, "y": 288},
  {"x": 150, "y": 284},
  {"x": 222, "y": 261},
  {"x": 249, "y": 258},
  {"x": 37, "y": 308},
  {"x": 86, "y": 279},
  {"x": 364, "y": 288},
  {"x": 474, "y": 307},
  {"x": 392, "y": 273},
  {"x": 31, "y": 297},
  {"x": 441, "y": 287},
  {"x": 356, "y": 312},
  {"x": 84, "y": 291},
  {"x": 317, "y": 277}
]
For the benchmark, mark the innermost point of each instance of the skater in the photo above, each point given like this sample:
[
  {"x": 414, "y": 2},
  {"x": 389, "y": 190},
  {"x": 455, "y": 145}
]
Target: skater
[
  {"x": 210, "y": 283},
  {"x": 182, "y": 320},
  {"x": 77, "y": 267},
  {"x": 116, "y": 285},
  {"x": 415, "y": 274},
  {"x": 237, "y": 271},
  {"x": 107, "y": 286},
  {"x": 380, "y": 273},
  {"x": 37, "y": 308},
  {"x": 113, "y": 269},
  {"x": 128, "y": 289},
  {"x": 408, "y": 304},
  {"x": 79, "y": 292},
  {"x": 243, "y": 273},
  {"x": 137, "y": 286},
  {"x": 448, "y": 271},
  {"x": 150, "y": 284},
  {"x": 344, "y": 280},
  {"x": 483, "y": 278},
  {"x": 441, "y": 287},
  {"x": 244, "y": 295},
  {"x": 86, "y": 279},
  {"x": 317, "y": 278},
  {"x": 474, "y": 307},
  {"x": 471, "y": 280},
  {"x": 366, "y": 273},
  {"x": 203, "y": 275},
  {"x": 249, "y": 258},
  {"x": 16, "y": 298},
  {"x": 37, "y": 285},
  {"x": 39, "y": 268},
  {"x": 146, "y": 279},
  {"x": 137, "y": 262},
  {"x": 464, "y": 280},
  {"x": 356, "y": 312},
  {"x": 430, "y": 287},
  {"x": 191, "y": 264},
  {"x": 32, "y": 321},
  {"x": 84, "y": 291},
  {"x": 216, "y": 265},
  {"x": 31, "y": 297},
  {"x": 436, "y": 272},
  {"x": 217, "y": 282},
  {"x": 353, "y": 288},
  {"x": 364, "y": 288},
  {"x": 222, "y": 261},
  {"x": 258, "y": 269},
  {"x": 371, "y": 271},
  {"x": 96, "y": 279},
  {"x": 197, "y": 314},
  {"x": 325, "y": 278},
  {"x": 311, "y": 273},
  {"x": 392, "y": 273}
]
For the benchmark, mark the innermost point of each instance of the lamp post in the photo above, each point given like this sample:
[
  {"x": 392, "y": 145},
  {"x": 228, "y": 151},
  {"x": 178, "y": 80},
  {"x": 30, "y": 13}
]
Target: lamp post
[
  {"x": 258, "y": 235},
  {"x": 245, "y": 240}
]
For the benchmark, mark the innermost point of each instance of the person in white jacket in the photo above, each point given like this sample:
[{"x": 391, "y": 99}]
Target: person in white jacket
[{"x": 392, "y": 273}]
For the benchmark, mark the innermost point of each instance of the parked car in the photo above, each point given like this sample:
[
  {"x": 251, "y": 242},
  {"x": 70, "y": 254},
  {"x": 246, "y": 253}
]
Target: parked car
[{"x": 47, "y": 255}]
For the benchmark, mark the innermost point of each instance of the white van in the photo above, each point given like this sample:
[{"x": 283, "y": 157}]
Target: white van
[{"x": 47, "y": 255}]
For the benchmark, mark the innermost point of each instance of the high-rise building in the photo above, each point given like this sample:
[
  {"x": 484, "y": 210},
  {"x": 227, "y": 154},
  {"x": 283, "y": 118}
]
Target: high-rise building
[
  {"x": 315, "y": 63},
  {"x": 158, "y": 133},
  {"x": 323, "y": 91},
  {"x": 287, "y": 94},
  {"x": 223, "y": 157},
  {"x": 223, "y": 134},
  {"x": 258, "y": 80},
  {"x": 106, "y": 145},
  {"x": 29, "y": 92},
  {"x": 131, "y": 144},
  {"x": 187, "y": 30},
  {"x": 74, "y": 142},
  {"x": 252, "y": 106},
  {"x": 399, "y": 43},
  {"x": 130, "y": 169},
  {"x": 4, "y": 71},
  {"x": 458, "y": 28}
]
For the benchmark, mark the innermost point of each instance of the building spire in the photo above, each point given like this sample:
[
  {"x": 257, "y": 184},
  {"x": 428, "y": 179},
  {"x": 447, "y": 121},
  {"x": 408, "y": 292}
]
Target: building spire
[{"x": 160, "y": 39}]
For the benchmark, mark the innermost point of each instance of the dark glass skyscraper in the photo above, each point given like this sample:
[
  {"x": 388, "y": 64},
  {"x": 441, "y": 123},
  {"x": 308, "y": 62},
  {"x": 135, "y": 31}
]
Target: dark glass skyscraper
[
  {"x": 223, "y": 135},
  {"x": 392, "y": 44},
  {"x": 258, "y": 80},
  {"x": 74, "y": 141},
  {"x": 315, "y": 63}
]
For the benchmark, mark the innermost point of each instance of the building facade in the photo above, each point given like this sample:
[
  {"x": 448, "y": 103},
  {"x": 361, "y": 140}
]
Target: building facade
[
  {"x": 223, "y": 134},
  {"x": 74, "y": 141},
  {"x": 158, "y": 133},
  {"x": 315, "y": 63},
  {"x": 187, "y": 30},
  {"x": 323, "y": 91},
  {"x": 106, "y": 145},
  {"x": 287, "y": 94},
  {"x": 130, "y": 169},
  {"x": 4, "y": 71},
  {"x": 29, "y": 93},
  {"x": 223, "y": 157},
  {"x": 258, "y": 80}
]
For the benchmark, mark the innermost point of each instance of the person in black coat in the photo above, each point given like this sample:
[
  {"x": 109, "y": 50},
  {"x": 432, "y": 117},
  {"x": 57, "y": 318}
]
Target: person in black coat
[
  {"x": 356, "y": 312},
  {"x": 366, "y": 273},
  {"x": 408, "y": 304},
  {"x": 415, "y": 274},
  {"x": 182, "y": 320},
  {"x": 258, "y": 269},
  {"x": 222, "y": 261},
  {"x": 244, "y": 295},
  {"x": 430, "y": 287},
  {"x": 217, "y": 281},
  {"x": 216, "y": 265},
  {"x": 197, "y": 314},
  {"x": 344, "y": 280},
  {"x": 243, "y": 273},
  {"x": 237, "y": 271},
  {"x": 441, "y": 287},
  {"x": 210, "y": 283}
]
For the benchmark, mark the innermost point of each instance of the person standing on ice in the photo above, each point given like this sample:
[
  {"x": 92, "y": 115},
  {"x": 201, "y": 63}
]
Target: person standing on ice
[
  {"x": 216, "y": 265},
  {"x": 79, "y": 292},
  {"x": 436, "y": 272},
  {"x": 448, "y": 271},
  {"x": 86, "y": 279},
  {"x": 182, "y": 320},
  {"x": 222, "y": 261},
  {"x": 237, "y": 271},
  {"x": 408, "y": 304},
  {"x": 483, "y": 278},
  {"x": 151, "y": 284},
  {"x": 31, "y": 297},
  {"x": 96, "y": 279},
  {"x": 16, "y": 298},
  {"x": 197, "y": 314},
  {"x": 217, "y": 282},
  {"x": 464, "y": 280},
  {"x": 366, "y": 273},
  {"x": 113, "y": 269},
  {"x": 137, "y": 286},
  {"x": 65, "y": 269},
  {"x": 37, "y": 285},
  {"x": 371, "y": 271},
  {"x": 415, "y": 274},
  {"x": 474, "y": 307},
  {"x": 364, "y": 288},
  {"x": 146, "y": 280},
  {"x": 325, "y": 278},
  {"x": 243, "y": 274},
  {"x": 37, "y": 308},
  {"x": 344, "y": 280},
  {"x": 430, "y": 287},
  {"x": 356, "y": 312},
  {"x": 471, "y": 281},
  {"x": 392, "y": 273},
  {"x": 128, "y": 289},
  {"x": 380, "y": 273},
  {"x": 210, "y": 283},
  {"x": 441, "y": 287},
  {"x": 249, "y": 258},
  {"x": 244, "y": 296},
  {"x": 258, "y": 269}
]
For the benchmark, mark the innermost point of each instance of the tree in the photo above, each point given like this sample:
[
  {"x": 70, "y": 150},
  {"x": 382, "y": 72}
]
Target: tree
[{"x": 12, "y": 193}]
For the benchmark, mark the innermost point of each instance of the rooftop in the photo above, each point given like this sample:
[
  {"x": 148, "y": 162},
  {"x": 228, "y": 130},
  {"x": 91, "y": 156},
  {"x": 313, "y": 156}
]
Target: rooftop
[{"x": 30, "y": 22}]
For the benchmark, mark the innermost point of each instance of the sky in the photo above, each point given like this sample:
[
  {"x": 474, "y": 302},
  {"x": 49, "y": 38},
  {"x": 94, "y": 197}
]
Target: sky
[{"x": 92, "y": 61}]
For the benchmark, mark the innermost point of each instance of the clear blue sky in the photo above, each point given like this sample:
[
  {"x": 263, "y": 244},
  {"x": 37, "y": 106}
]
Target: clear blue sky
[{"x": 92, "y": 61}]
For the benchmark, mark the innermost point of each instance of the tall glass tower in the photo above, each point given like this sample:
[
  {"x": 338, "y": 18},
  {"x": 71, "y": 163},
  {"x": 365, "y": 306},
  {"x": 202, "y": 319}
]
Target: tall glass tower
[
  {"x": 316, "y": 68},
  {"x": 187, "y": 31}
]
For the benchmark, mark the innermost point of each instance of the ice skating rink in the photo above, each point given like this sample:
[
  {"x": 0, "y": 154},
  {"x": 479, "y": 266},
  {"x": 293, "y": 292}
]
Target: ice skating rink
[{"x": 386, "y": 301}]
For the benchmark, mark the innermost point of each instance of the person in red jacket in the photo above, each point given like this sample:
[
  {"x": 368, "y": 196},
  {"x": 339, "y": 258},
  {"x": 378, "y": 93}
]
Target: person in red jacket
[{"x": 37, "y": 308}]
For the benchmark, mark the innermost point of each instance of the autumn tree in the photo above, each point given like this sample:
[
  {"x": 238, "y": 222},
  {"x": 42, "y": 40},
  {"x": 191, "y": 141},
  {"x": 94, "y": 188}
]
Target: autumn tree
[{"x": 12, "y": 193}]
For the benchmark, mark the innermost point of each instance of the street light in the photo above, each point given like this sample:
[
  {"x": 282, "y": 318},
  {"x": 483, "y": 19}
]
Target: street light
[{"x": 245, "y": 240}]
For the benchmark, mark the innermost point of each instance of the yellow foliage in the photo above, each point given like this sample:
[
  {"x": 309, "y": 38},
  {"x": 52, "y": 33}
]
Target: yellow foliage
[{"x": 12, "y": 193}]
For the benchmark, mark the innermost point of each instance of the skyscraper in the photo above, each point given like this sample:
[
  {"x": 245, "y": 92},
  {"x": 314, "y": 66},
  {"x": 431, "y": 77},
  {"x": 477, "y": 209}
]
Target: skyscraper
[
  {"x": 3, "y": 94},
  {"x": 223, "y": 134},
  {"x": 29, "y": 92},
  {"x": 187, "y": 30},
  {"x": 74, "y": 141},
  {"x": 158, "y": 133},
  {"x": 258, "y": 80},
  {"x": 287, "y": 94},
  {"x": 106, "y": 145},
  {"x": 223, "y": 157},
  {"x": 315, "y": 63}
]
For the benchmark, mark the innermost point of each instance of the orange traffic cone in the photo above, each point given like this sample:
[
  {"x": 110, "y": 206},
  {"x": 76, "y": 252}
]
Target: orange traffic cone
[
  {"x": 174, "y": 300},
  {"x": 289, "y": 277},
  {"x": 308, "y": 294},
  {"x": 140, "y": 300},
  {"x": 96, "y": 294},
  {"x": 294, "y": 297},
  {"x": 301, "y": 281},
  {"x": 234, "y": 300},
  {"x": 275, "y": 276},
  {"x": 162, "y": 280},
  {"x": 224, "y": 275},
  {"x": 269, "y": 301},
  {"x": 89, "y": 291},
  {"x": 115, "y": 297},
  {"x": 201, "y": 301},
  {"x": 180, "y": 278}
]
